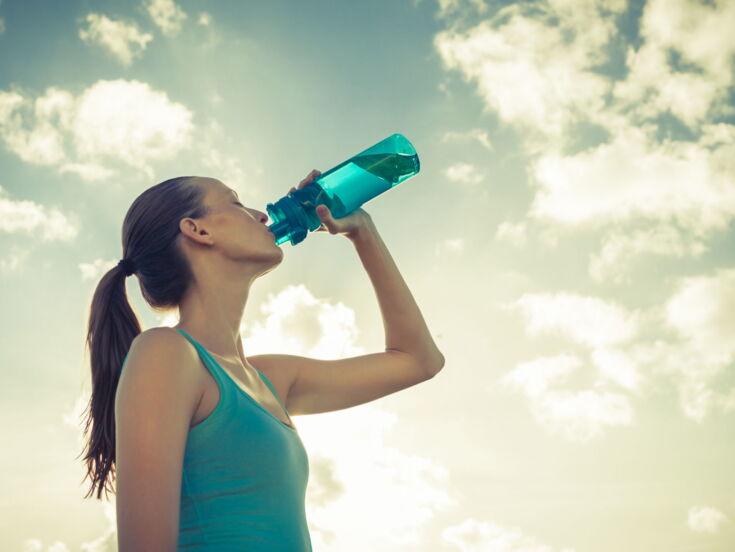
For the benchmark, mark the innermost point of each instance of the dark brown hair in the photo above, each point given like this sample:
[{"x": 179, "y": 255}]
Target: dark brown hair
[{"x": 149, "y": 241}]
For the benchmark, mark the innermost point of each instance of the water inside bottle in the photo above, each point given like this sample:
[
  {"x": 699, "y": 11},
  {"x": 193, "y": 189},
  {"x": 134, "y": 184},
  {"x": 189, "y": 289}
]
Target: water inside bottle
[
  {"x": 389, "y": 166},
  {"x": 368, "y": 176}
]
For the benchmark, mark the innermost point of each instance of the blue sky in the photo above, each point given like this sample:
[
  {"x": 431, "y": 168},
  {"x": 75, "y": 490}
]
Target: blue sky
[{"x": 569, "y": 240}]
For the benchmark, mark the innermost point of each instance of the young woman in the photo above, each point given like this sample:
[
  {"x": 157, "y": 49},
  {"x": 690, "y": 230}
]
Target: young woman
[{"x": 197, "y": 436}]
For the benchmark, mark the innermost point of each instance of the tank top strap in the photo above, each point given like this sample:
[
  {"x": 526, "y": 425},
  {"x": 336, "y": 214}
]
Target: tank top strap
[
  {"x": 211, "y": 364},
  {"x": 272, "y": 388}
]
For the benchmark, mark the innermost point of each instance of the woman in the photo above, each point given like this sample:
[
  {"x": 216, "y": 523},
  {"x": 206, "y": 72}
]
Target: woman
[{"x": 197, "y": 436}]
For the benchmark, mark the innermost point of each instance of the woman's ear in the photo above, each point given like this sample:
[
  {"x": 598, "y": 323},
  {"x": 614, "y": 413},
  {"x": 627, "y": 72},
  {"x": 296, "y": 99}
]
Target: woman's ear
[{"x": 195, "y": 230}]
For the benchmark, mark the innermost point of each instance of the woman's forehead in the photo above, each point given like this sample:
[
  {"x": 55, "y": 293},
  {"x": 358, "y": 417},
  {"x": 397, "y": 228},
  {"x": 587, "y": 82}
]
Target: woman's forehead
[{"x": 213, "y": 186}]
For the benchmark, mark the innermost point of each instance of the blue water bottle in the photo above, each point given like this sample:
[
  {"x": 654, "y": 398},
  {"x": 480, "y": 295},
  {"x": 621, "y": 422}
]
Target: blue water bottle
[{"x": 343, "y": 188}]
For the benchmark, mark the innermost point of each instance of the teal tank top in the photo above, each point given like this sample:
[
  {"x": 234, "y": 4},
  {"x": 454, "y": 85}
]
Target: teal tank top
[{"x": 244, "y": 476}]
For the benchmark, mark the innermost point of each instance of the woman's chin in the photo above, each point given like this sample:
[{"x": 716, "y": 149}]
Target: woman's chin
[{"x": 277, "y": 254}]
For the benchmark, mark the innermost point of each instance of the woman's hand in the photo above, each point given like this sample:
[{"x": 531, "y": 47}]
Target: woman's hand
[{"x": 348, "y": 225}]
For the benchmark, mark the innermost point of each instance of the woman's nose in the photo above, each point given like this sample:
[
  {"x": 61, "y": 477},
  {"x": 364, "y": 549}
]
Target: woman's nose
[{"x": 262, "y": 217}]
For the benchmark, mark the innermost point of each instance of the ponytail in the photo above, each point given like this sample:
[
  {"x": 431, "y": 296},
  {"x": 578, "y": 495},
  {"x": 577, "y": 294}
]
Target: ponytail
[{"x": 152, "y": 253}]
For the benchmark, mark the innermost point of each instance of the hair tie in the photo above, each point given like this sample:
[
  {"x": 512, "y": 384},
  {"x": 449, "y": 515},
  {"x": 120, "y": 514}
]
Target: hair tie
[{"x": 127, "y": 266}]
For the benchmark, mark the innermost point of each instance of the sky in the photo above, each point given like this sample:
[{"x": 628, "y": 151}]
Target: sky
[{"x": 569, "y": 240}]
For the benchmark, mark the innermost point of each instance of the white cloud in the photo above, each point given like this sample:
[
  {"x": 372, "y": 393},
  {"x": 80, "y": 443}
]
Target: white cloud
[
  {"x": 108, "y": 541},
  {"x": 36, "y": 545},
  {"x": 89, "y": 171},
  {"x": 49, "y": 224},
  {"x": 546, "y": 84},
  {"x": 585, "y": 320},
  {"x": 105, "y": 543},
  {"x": 580, "y": 415},
  {"x": 618, "y": 367},
  {"x": 449, "y": 246},
  {"x": 575, "y": 414},
  {"x": 13, "y": 258},
  {"x": 455, "y": 8},
  {"x": 95, "y": 269},
  {"x": 693, "y": 376},
  {"x": 705, "y": 519},
  {"x": 465, "y": 173},
  {"x": 167, "y": 15},
  {"x": 475, "y": 134},
  {"x": 543, "y": 84},
  {"x": 294, "y": 320},
  {"x": 122, "y": 39},
  {"x": 204, "y": 19},
  {"x": 539, "y": 67},
  {"x": 630, "y": 178},
  {"x": 130, "y": 121},
  {"x": 703, "y": 311},
  {"x": 697, "y": 32},
  {"x": 43, "y": 142},
  {"x": 511, "y": 232},
  {"x": 687, "y": 340},
  {"x": 619, "y": 248},
  {"x": 215, "y": 98},
  {"x": 653, "y": 88},
  {"x": 212, "y": 37},
  {"x": 535, "y": 377},
  {"x": 679, "y": 192},
  {"x": 473, "y": 535},
  {"x": 578, "y": 410},
  {"x": 111, "y": 121}
]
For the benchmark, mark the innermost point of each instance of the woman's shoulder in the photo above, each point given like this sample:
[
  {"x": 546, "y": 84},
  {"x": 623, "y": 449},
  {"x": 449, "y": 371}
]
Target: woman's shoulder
[{"x": 164, "y": 349}]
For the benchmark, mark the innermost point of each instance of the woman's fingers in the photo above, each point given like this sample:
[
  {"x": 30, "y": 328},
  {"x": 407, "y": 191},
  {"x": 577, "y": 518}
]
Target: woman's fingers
[
  {"x": 325, "y": 216},
  {"x": 309, "y": 178}
]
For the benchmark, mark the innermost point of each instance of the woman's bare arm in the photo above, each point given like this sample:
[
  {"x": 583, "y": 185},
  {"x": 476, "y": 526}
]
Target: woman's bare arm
[
  {"x": 405, "y": 328},
  {"x": 157, "y": 395}
]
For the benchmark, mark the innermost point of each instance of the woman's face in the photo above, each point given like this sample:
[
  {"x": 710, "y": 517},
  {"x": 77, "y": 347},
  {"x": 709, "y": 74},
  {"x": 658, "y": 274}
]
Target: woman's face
[{"x": 239, "y": 232}]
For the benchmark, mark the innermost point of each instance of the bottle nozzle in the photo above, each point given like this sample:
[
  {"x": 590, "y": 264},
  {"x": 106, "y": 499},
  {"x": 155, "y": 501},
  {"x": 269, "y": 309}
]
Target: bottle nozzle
[{"x": 279, "y": 229}]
